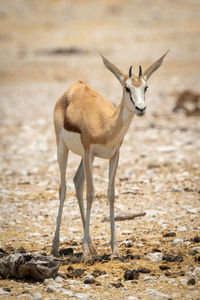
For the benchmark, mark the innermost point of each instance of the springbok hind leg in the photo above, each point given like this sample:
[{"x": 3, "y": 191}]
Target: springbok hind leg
[
  {"x": 62, "y": 155},
  {"x": 79, "y": 180},
  {"x": 113, "y": 163}
]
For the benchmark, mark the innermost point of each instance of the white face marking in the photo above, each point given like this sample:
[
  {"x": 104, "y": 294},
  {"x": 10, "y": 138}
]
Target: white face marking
[{"x": 135, "y": 99}]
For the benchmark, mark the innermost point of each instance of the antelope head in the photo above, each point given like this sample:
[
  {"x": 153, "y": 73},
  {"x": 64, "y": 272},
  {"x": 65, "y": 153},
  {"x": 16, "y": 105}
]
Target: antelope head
[{"x": 135, "y": 86}]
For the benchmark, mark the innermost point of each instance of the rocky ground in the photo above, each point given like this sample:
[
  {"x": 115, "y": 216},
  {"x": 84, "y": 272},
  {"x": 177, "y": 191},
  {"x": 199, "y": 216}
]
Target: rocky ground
[{"x": 44, "y": 47}]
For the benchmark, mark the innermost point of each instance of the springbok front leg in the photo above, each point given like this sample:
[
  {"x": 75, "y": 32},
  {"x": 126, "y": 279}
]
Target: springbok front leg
[
  {"x": 88, "y": 159},
  {"x": 113, "y": 163},
  {"x": 79, "y": 180},
  {"x": 62, "y": 155}
]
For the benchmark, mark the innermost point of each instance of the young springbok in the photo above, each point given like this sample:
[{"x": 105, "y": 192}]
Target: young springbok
[{"x": 89, "y": 125}]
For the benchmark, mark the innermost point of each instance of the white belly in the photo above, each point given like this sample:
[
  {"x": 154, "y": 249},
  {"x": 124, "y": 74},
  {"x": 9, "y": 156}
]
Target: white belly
[{"x": 73, "y": 141}]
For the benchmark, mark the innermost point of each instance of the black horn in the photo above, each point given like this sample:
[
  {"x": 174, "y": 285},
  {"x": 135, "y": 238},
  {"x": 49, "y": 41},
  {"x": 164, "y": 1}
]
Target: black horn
[
  {"x": 130, "y": 72},
  {"x": 140, "y": 71}
]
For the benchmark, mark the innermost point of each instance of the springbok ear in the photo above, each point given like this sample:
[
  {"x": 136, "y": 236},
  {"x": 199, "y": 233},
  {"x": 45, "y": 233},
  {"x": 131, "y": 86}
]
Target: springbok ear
[
  {"x": 154, "y": 66},
  {"x": 118, "y": 74}
]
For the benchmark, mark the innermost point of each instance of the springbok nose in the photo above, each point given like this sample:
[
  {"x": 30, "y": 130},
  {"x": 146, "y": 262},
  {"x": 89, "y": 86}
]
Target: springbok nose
[{"x": 141, "y": 110}]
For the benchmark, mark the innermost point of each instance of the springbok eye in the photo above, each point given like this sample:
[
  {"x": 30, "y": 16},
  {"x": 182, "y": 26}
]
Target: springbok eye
[
  {"x": 146, "y": 88},
  {"x": 127, "y": 89}
]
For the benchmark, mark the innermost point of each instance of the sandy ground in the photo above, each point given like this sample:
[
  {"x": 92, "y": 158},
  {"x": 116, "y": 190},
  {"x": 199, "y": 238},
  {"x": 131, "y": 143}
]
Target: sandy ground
[{"x": 159, "y": 164}]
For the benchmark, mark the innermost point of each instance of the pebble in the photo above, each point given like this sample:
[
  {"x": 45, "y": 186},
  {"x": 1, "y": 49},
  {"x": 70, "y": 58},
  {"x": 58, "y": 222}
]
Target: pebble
[
  {"x": 173, "y": 258},
  {"x": 72, "y": 282},
  {"x": 2, "y": 292},
  {"x": 37, "y": 296},
  {"x": 147, "y": 278},
  {"x": 169, "y": 234},
  {"x": 131, "y": 274},
  {"x": 65, "y": 292},
  {"x": 155, "y": 256},
  {"x": 196, "y": 248},
  {"x": 196, "y": 239},
  {"x": 191, "y": 281},
  {"x": 197, "y": 272},
  {"x": 59, "y": 279},
  {"x": 183, "y": 281},
  {"x": 66, "y": 251},
  {"x": 132, "y": 298},
  {"x": 81, "y": 296},
  {"x": 89, "y": 279},
  {"x": 155, "y": 295},
  {"x": 177, "y": 242}
]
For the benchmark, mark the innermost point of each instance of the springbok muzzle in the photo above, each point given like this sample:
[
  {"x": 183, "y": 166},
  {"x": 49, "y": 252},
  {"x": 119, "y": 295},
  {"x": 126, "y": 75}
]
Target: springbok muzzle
[{"x": 140, "y": 111}]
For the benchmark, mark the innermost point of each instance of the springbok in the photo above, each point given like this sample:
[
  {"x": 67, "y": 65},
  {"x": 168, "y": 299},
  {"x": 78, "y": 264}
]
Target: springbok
[{"x": 89, "y": 125}]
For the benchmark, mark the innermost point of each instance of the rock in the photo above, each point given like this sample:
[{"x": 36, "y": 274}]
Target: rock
[
  {"x": 50, "y": 290},
  {"x": 128, "y": 275},
  {"x": 35, "y": 266},
  {"x": 173, "y": 258},
  {"x": 191, "y": 281},
  {"x": 117, "y": 284},
  {"x": 164, "y": 267},
  {"x": 131, "y": 274},
  {"x": 37, "y": 296},
  {"x": 155, "y": 295},
  {"x": 3, "y": 253},
  {"x": 7, "y": 289},
  {"x": 169, "y": 234},
  {"x": 155, "y": 256},
  {"x": 2, "y": 292},
  {"x": 97, "y": 273},
  {"x": 192, "y": 252},
  {"x": 197, "y": 258},
  {"x": 183, "y": 281},
  {"x": 147, "y": 278},
  {"x": 65, "y": 292},
  {"x": 72, "y": 282},
  {"x": 59, "y": 279},
  {"x": 177, "y": 242},
  {"x": 21, "y": 250},
  {"x": 89, "y": 279},
  {"x": 196, "y": 239},
  {"x": 81, "y": 296},
  {"x": 144, "y": 270},
  {"x": 132, "y": 298},
  {"x": 197, "y": 272},
  {"x": 66, "y": 251},
  {"x": 176, "y": 189}
]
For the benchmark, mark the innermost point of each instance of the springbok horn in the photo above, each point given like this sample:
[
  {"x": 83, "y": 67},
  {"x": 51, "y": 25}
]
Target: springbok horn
[
  {"x": 130, "y": 72},
  {"x": 140, "y": 71}
]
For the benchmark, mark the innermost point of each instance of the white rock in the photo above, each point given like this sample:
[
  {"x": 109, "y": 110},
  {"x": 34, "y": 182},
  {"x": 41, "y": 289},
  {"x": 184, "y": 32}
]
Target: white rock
[
  {"x": 2, "y": 292},
  {"x": 37, "y": 296},
  {"x": 147, "y": 278},
  {"x": 182, "y": 228},
  {"x": 72, "y": 282},
  {"x": 197, "y": 248},
  {"x": 171, "y": 280},
  {"x": 65, "y": 292},
  {"x": 155, "y": 256},
  {"x": 59, "y": 279},
  {"x": 165, "y": 149},
  {"x": 176, "y": 189},
  {"x": 183, "y": 281},
  {"x": 155, "y": 295},
  {"x": 104, "y": 276},
  {"x": 177, "y": 242},
  {"x": 197, "y": 272},
  {"x": 81, "y": 296},
  {"x": 132, "y": 298}
]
